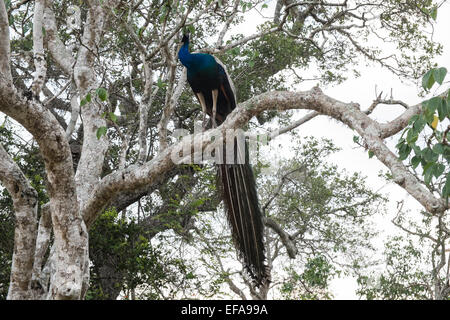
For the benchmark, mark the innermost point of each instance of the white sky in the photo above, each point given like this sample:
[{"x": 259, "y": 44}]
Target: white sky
[{"x": 362, "y": 91}]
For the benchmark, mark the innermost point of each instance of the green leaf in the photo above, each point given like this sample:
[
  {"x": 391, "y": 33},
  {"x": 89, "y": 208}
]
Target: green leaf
[
  {"x": 428, "y": 80},
  {"x": 419, "y": 124},
  {"x": 415, "y": 161},
  {"x": 102, "y": 94},
  {"x": 427, "y": 176},
  {"x": 446, "y": 153},
  {"x": 439, "y": 74},
  {"x": 404, "y": 151},
  {"x": 88, "y": 97},
  {"x": 442, "y": 109},
  {"x": 413, "y": 119},
  {"x": 401, "y": 141},
  {"x": 429, "y": 155},
  {"x": 371, "y": 154},
  {"x": 446, "y": 188},
  {"x": 411, "y": 137},
  {"x": 428, "y": 172},
  {"x": 113, "y": 117},
  {"x": 101, "y": 131},
  {"x": 438, "y": 169},
  {"x": 438, "y": 148},
  {"x": 417, "y": 150},
  {"x": 445, "y": 191},
  {"x": 160, "y": 84},
  {"x": 433, "y": 13},
  {"x": 83, "y": 102},
  {"x": 433, "y": 104}
]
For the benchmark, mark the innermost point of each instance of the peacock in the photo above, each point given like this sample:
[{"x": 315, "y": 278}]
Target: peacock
[{"x": 212, "y": 86}]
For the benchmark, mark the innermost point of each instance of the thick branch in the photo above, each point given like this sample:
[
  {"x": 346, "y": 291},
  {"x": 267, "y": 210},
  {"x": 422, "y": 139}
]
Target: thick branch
[
  {"x": 38, "y": 48},
  {"x": 170, "y": 107},
  {"x": 69, "y": 230},
  {"x": 314, "y": 99},
  {"x": 143, "y": 109},
  {"x": 74, "y": 113},
  {"x": 5, "y": 50},
  {"x": 59, "y": 52},
  {"x": 39, "y": 278},
  {"x": 25, "y": 204},
  {"x": 284, "y": 236},
  {"x": 93, "y": 151}
]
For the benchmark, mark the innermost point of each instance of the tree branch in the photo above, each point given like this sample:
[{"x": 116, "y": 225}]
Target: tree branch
[
  {"x": 25, "y": 204},
  {"x": 5, "y": 50},
  {"x": 314, "y": 99},
  {"x": 284, "y": 237},
  {"x": 70, "y": 236},
  {"x": 38, "y": 48},
  {"x": 59, "y": 52}
]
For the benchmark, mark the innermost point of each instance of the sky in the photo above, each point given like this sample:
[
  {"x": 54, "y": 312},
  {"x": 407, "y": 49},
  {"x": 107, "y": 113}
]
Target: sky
[{"x": 362, "y": 91}]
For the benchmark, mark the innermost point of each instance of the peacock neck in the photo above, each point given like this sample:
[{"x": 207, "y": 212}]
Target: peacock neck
[{"x": 186, "y": 58}]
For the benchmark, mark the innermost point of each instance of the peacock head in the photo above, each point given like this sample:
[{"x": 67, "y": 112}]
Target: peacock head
[{"x": 185, "y": 38}]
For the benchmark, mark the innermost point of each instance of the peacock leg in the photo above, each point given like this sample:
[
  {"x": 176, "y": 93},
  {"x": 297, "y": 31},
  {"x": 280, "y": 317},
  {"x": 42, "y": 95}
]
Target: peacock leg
[
  {"x": 201, "y": 98},
  {"x": 215, "y": 95}
]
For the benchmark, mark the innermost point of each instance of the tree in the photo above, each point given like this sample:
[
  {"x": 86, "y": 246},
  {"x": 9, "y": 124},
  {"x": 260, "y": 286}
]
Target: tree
[
  {"x": 124, "y": 260},
  {"x": 420, "y": 271},
  {"x": 98, "y": 88},
  {"x": 318, "y": 225}
]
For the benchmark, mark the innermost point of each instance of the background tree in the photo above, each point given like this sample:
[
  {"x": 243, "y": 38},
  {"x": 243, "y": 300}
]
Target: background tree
[
  {"x": 418, "y": 263},
  {"x": 98, "y": 88},
  {"x": 318, "y": 225}
]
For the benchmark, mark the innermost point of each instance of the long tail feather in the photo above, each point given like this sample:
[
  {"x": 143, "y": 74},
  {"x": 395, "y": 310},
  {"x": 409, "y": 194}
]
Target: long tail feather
[{"x": 244, "y": 216}]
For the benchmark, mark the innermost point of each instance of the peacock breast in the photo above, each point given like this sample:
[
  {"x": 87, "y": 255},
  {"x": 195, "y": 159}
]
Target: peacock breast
[{"x": 204, "y": 77}]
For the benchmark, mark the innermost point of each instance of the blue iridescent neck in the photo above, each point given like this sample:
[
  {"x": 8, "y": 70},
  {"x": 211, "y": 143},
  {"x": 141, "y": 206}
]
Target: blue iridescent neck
[{"x": 185, "y": 56}]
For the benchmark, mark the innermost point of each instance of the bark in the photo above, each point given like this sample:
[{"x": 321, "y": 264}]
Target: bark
[
  {"x": 5, "y": 53},
  {"x": 93, "y": 149},
  {"x": 143, "y": 110},
  {"x": 284, "y": 237},
  {"x": 70, "y": 236},
  {"x": 59, "y": 52},
  {"x": 25, "y": 208},
  {"x": 38, "y": 48},
  {"x": 40, "y": 278}
]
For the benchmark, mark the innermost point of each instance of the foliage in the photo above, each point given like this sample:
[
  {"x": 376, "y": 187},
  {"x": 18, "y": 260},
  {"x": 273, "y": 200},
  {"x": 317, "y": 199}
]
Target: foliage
[
  {"x": 416, "y": 262},
  {"x": 325, "y": 211},
  {"x": 120, "y": 249},
  {"x": 312, "y": 284},
  {"x": 405, "y": 275},
  {"x": 430, "y": 143}
]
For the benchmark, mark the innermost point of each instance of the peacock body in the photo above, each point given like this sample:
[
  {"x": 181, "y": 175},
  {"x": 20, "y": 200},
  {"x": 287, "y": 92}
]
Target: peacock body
[
  {"x": 209, "y": 81},
  {"x": 205, "y": 73}
]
